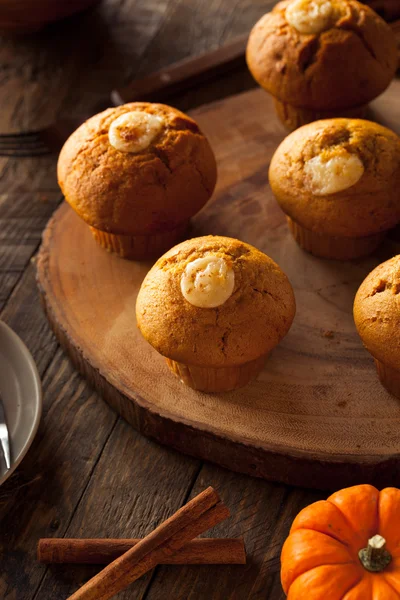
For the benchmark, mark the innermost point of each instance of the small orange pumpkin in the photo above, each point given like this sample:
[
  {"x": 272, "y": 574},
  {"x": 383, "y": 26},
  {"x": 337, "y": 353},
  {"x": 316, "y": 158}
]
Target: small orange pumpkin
[{"x": 345, "y": 548}]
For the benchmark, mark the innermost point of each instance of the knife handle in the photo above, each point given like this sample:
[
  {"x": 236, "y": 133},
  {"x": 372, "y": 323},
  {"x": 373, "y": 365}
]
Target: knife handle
[{"x": 184, "y": 75}]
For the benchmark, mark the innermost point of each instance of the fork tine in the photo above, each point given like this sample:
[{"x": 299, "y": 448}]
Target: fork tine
[
  {"x": 23, "y": 134},
  {"x": 25, "y": 152},
  {"x": 15, "y": 145},
  {"x": 5, "y": 444},
  {"x": 6, "y": 451},
  {"x": 20, "y": 144},
  {"x": 24, "y": 144}
]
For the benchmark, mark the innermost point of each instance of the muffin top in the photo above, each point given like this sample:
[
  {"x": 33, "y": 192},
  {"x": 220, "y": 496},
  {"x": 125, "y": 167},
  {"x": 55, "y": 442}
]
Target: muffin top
[
  {"x": 215, "y": 301},
  {"x": 140, "y": 168},
  {"x": 339, "y": 177},
  {"x": 322, "y": 54},
  {"x": 377, "y": 312}
]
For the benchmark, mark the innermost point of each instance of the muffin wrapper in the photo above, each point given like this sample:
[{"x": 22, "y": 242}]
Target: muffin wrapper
[
  {"x": 140, "y": 247},
  {"x": 339, "y": 248},
  {"x": 293, "y": 117},
  {"x": 222, "y": 379},
  {"x": 389, "y": 377}
]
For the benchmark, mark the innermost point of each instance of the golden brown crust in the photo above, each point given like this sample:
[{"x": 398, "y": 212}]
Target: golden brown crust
[
  {"x": 377, "y": 312},
  {"x": 344, "y": 66},
  {"x": 248, "y": 325},
  {"x": 368, "y": 207},
  {"x": 142, "y": 193}
]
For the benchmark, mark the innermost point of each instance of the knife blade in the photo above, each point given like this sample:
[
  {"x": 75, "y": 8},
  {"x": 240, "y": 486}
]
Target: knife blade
[{"x": 185, "y": 74}]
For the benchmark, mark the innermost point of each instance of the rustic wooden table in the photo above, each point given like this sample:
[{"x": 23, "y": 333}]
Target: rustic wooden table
[{"x": 88, "y": 473}]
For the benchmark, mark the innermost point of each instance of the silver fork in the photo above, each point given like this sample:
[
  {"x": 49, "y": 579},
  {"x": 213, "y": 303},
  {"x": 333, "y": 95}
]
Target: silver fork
[
  {"x": 4, "y": 436},
  {"x": 27, "y": 144},
  {"x": 22, "y": 145},
  {"x": 39, "y": 142}
]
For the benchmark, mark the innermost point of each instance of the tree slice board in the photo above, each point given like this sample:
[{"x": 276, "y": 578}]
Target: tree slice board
[{"x": 317, "y": 415}]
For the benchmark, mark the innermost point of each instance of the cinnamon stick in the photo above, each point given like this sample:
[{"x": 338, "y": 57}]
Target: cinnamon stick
[
  {"x": 198, "y": 515},
  {"x": 205, "y": 551}
]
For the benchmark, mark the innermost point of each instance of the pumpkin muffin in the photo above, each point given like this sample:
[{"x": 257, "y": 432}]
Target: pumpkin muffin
[
  {"x": 215, "y": 307},
  {"x": 136, "y": 174},
  {"x": 321, "y": 58},
  {"x": 377, "y": 318},
  {"x": 338, "y": 182}
]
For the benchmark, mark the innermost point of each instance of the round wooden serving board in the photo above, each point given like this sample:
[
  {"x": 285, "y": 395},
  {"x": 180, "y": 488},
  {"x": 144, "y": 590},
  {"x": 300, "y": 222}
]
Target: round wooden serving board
[{"x": 317, "y": 415}]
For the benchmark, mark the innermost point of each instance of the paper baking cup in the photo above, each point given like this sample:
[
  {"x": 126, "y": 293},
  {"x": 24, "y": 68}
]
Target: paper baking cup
[
  {"x": 339, "y": 248},
  {"x": 294, "y": 117},
  {"x": 140, "y": 247},
  {"x": 389, "y": 378},
  {"x": 222, "y": 379}
]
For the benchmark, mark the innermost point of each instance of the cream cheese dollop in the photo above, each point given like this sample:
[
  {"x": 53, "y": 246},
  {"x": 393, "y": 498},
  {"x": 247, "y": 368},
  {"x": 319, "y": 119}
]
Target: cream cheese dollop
[
  {"x": 310, "y": 16},
  {"x": 207, "y": 282},
  {"x": 328, "y": 174},
  {"x": 134, "y": 131}
]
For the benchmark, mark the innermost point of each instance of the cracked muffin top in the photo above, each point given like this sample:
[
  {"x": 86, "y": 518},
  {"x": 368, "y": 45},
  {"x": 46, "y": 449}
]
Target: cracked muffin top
[
  {"x": 377, "y": 312},
  {"x": 322, "y": 54},
  {"x": 339, "y": 177},
  {"x": 140, "y": 168},
  {"x": 215, "y": 301}
]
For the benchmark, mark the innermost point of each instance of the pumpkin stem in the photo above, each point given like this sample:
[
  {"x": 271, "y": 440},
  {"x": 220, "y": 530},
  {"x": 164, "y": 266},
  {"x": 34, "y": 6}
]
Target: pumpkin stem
[{"x": 375, "y": 557}]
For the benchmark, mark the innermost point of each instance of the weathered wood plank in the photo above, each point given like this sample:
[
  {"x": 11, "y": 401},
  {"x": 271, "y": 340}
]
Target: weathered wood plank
[
  {"x": 23, "y": 216},
  {"x": 40, "y": 499},
  {"x": 30, "y": 175},
  {"x": 193, "y": 28},
  {"x": 135, "y": 486},
  {"x": 8, "y": 281},
  {"x": 25, "y": 205},
  {"x": 25, "y": 316},
  {"x": 131, "y": 27},
  {"x": 262, "y": 513},
  {"x": 246, "y": 15}
]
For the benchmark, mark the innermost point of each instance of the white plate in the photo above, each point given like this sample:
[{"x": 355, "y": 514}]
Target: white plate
[{"x": 21, "y": 392}]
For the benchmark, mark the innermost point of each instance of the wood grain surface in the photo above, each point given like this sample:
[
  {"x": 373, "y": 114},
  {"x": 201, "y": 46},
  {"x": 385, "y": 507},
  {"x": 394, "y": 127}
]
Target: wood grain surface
[
  {"x": 89, "y": 473},
  {"x": 310, "y": 414}
]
